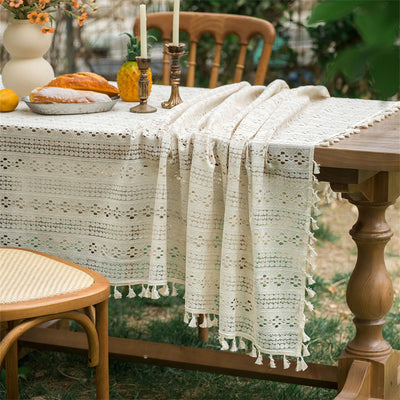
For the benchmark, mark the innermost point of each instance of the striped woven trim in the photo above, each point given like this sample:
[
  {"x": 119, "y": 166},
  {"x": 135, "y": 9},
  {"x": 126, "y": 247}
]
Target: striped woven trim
[{"x": 27, "y": 276}]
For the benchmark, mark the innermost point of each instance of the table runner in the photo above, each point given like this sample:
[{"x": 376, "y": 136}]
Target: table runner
[{"x": 215, "y": 194}]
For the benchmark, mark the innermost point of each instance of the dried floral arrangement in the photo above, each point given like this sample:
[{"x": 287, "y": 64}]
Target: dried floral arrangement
[{"x": 41, "y": 11}]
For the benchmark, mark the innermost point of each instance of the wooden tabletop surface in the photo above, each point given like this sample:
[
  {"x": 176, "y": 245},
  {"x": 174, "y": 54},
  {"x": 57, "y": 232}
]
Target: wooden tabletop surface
[{"x": 376, "y": 148}]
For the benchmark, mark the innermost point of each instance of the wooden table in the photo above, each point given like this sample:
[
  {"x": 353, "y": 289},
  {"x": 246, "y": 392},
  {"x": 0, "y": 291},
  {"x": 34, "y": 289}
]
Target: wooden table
[{"x": 366, "y": 169}]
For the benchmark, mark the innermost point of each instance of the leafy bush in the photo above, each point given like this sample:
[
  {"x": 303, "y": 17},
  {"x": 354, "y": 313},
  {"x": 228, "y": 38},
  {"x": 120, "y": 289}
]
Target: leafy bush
[{"x": 358, "y": 42}]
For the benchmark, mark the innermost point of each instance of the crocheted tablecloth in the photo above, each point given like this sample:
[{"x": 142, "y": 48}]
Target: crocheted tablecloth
[{"x": 215, "y": 194}]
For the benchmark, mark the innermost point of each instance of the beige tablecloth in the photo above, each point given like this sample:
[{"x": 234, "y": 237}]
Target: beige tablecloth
[{"x": 215, "y": 194}]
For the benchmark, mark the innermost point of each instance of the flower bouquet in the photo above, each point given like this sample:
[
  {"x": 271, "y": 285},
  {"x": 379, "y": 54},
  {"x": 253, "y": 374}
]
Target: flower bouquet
[{"x": 41, "y": 11}]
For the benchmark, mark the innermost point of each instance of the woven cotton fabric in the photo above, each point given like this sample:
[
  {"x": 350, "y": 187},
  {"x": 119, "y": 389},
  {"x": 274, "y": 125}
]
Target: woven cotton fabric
[
  {"x": 29, "y": 276},
  {"x": 215, "y": 194}
]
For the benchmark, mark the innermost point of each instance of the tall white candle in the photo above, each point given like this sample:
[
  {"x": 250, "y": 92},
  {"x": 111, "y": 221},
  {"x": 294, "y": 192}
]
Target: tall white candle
[
  {"x": 143, "y": 31},
  {"x": 175, "y": 26}
]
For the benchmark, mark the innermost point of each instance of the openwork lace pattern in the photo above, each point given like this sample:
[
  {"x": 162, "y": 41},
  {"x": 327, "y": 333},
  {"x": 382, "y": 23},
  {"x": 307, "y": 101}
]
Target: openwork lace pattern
[{"x": 215, "y": 194}]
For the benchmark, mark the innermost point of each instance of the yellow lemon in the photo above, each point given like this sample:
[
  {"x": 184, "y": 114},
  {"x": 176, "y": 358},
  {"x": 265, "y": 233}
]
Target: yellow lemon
[{"x": 8, "y": 100}]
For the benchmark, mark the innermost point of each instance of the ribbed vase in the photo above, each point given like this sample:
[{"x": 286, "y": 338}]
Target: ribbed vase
[{"x": 27, "y": 69}]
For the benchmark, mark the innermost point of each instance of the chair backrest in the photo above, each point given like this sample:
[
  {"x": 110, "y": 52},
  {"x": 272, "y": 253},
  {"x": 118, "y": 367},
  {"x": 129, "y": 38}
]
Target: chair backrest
[{"x": 196, "y": 24}]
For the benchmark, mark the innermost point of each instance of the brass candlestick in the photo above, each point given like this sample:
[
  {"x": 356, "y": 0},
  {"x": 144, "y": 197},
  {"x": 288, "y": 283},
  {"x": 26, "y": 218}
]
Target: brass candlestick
[
  {"x": 143, "y": 64},
  {"x": 174, "y": 74}
]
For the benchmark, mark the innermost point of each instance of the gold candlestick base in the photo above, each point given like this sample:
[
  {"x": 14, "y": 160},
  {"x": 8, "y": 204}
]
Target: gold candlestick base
[
  {"x": 175, "y": 74},
  {"x": 143, "y": 64}
]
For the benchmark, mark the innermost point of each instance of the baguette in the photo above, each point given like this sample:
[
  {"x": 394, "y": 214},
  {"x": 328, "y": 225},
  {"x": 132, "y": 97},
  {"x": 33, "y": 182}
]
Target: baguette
[
  {"x": 64, "y": 95},
  {"x": 84, "y": 81}
]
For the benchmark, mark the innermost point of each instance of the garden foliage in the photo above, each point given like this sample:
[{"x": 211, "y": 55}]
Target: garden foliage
[{"x": 359, "y": 41}]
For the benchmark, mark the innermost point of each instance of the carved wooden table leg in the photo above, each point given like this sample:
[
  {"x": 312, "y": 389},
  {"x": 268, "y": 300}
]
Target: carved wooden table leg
[{"x": 370, "y": 297}]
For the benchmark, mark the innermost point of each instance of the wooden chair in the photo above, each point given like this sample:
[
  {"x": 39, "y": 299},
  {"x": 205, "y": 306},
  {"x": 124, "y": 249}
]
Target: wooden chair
[
  {"x": 196, "y": 24},
  {"x": 36, "y": 288}
]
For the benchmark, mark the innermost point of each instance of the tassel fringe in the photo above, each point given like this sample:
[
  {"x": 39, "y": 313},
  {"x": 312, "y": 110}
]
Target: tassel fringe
[
  {"x": 286, "y": 363},
  {"x": 356, "y": 129},
  {"x": 204, "y": 324},
  {"x": 164, "y": 291},
  {"x": 233, "y": 348},
  {"x": 242, "y": 345},
  {"x": 154, "y": 293},
  {"x": 259, "y": 360},
  {"x": 143, "y": 292},
  {"x": 186, "y": 318},
  {"x": 117, "y": 293},
  {"x": 224, "y": 344},
  {"x": 271, "y": 362},
  {"x": 301, "y": 364},
  {"x": 131, "y": 293},
  {"x": 193, "y": 321},
  {"x": 253, "y": 352}
]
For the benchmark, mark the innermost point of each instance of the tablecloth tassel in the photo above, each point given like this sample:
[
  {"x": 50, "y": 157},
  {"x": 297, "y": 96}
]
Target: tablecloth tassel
[
  {"x": 313, "y": 253},
  {"x": 117, "y": 293},
  {"x": 242, "y": 344},
  {"x": 305, "y": 351},
  {"x": 253, "y": 352},
  {"x": 271, "y": 362},
  {"x": 193, "y": 321},
  {"x": 310, "y": 279},
  {"x": 164, "y": 291},
  {"x": 309, "y": 305},
  {"x": 312, "y": 264},
  {"x": 301, "y": 364},
  {"x": 306, "y": 338},
  {"x": 143, "y": 292},
  {"x": 204, "y": 324},
  {"x": 316, "y": 167},
  {"x": 314, "y": 224},
  {"x": 316, "y": 210},
  {"x": 147, "y": 293},
  {"x": 224, "y": 343},
  {"x": 210, "y": 322},
  {"x": 154, "y": 293},
  {"x": 234, "y": 348},
  {"x": 310, "y": 292},
  {"x": 286, "y": 363},
  {"x": 186, "y": 318},
  {"x": 259, "y": 360},
  {"x": 312, "y": 237},
  {"x": 131, "y": 293},
  {"x": 174, "y": 291}
]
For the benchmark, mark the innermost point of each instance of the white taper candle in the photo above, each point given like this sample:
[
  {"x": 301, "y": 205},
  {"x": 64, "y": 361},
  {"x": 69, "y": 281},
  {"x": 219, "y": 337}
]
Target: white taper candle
[
  {"x": 143, "y": 31},
  {"x": 175, "y": 26}
]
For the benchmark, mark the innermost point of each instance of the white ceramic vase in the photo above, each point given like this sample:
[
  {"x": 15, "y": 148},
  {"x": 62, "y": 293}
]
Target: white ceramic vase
[{"x": 27, "y": 69}]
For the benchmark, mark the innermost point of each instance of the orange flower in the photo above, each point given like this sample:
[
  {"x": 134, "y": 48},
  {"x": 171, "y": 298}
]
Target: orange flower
[
  {"x": 43, "y": 18},
  {"x": 75, "y": 3},
  {"x": 82, "y": 18},
  {"x": 42, "y": 3},
  {"x": 1, "y": 2},
  {"x": 33, "y": 17},
  {"x": 48, "y": 30},
  {"x": 15, "y": 3}
]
